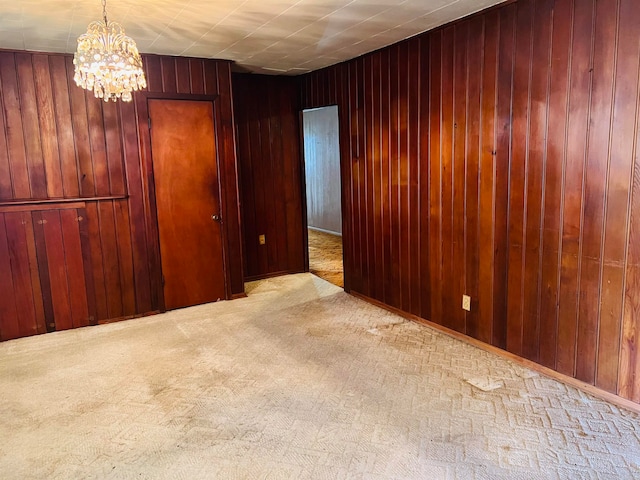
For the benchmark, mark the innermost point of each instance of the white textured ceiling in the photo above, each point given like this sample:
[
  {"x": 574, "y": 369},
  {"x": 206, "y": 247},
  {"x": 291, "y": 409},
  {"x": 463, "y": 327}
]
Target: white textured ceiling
[{"x": 268, "y": 36}]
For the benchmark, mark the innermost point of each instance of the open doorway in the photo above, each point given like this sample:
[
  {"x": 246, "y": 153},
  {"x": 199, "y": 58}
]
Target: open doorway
[{"x": 323, "y": 191}]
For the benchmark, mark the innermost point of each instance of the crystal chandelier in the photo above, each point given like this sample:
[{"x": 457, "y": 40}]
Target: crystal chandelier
[{"x": 107, "y": 61}]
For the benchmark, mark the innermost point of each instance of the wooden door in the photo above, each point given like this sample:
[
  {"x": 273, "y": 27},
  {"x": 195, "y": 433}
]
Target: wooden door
[{"x": 187, "y": 200}]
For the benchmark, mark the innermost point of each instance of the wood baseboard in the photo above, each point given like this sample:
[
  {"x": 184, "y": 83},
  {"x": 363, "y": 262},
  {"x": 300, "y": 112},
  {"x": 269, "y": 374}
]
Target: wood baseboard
[
  {"x": 238, "y": 295},
  {"x": 272, "y": 274},
  {"x": 561, "y": 377},
  {"x": 129, "y": 317}
]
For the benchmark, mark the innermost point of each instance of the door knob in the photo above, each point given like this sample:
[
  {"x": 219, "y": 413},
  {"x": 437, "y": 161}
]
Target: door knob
[{"x": 215, "y": 217}]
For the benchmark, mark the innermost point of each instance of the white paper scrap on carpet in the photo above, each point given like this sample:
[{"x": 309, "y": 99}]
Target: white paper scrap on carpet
[{"x": 486, "y": 384}]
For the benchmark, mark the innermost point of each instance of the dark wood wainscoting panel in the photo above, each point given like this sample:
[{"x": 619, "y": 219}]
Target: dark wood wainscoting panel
[
  {"x": 68, "y": 265},
  {"x": 46, "y": 285},
  {"x": 497, "y": 157},
  {"x": 267, "y": 121}
]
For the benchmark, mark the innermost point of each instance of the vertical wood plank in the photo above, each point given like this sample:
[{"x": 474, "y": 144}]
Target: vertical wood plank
[
  {"x": 74, "y": 266},
  {"x": 97, "y": 139},
  {"x": 596, "y": 173},
  {"x": 385, "y": 181},
  {"x": 40, "y": 244},
  {"x": 110, "y": 259},
  {"x": 345, "y": 157},
  {"x": 113, "y": 139},
  {"x": 210, "y": 78},
  {"x": 449, "y": 305},
  {"x": 555, "y": 160},
  {"x": 62, "y": 110},
  {"x": 376, "y": 174},
  {"x": 519, "y": 159},
  {"x": 369, "y": 172},
  {"x": 629, "y": 364},
  {"x": 487, "y": 174},
  {"x": 30, "y": 126},
  {"x": 277, "y": 165},
  {"x": 47, "y": 125},
  {"x": 34, "y": 267},
  {"x": 425, "y": 186},
  {"x": 355, "y": 162},
  {"x": 85, "y": 247},
  {"x": 58, "y": 275},
  {"x": 13, "y": 125},
  {"x": 460, "y": 156},
  {"x": 6, "y": 188},
  {"x": 270, "y": 248},
  {"x": 125, "y": 257},
  {"x": 82, "y": 143},
  {"x": 414, "y": 174},
  {"x": 9, "y": 324},
  {"x": 153, "y": 70},
  {"x": 365, "y": 211},
  {"x": 196, "y": 74},
  {"x": 20, "y": 271},
  {"x": 535, "y": 177},
  {"x": 258, "y": 172},
  {"x": 183, "y": 78},
  {"x": 503, "y": 162},
  {"x": 293, "y": 203},
  {"x": 245, "y": 159},
  {"x": 622, "y": 140},
  {"x": 97, "y": 268},
  {"x": 579, "y": 88},
  {"x": 169, "y": 80},
  {"x": 472, "y": 187},
  {"x": 403, "y": 178},
  {"x": 435, "y": 179}
]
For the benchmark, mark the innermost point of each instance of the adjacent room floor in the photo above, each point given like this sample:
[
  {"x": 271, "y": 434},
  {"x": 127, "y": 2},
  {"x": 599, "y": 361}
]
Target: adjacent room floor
[
  {"x": 325, "y": 256},
  {"x": 297, "y": 381}
]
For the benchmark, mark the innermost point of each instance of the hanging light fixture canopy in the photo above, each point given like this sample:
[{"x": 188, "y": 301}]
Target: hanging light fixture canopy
[{"x": 107, "y": 61}]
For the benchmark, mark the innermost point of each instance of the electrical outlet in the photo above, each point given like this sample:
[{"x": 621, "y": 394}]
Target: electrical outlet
[
  {"x": 466, "y": 303},
  {"x": 262, "y": 239}
]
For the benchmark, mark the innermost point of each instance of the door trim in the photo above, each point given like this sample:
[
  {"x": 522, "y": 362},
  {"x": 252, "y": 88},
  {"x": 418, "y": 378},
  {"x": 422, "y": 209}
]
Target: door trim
[
  {"x": 343, "y": 165},
  {"x": 151, "y": 213}
]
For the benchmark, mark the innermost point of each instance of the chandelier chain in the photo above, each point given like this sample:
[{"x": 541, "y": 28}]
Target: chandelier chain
[{"x": 104, "y": 11}]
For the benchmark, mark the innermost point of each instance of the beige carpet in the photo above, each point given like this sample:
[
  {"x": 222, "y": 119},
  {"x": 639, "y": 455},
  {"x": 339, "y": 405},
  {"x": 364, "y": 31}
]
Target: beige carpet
[
  {"x": 297, "y": 381},
  {"x": 325, "y": 256}
]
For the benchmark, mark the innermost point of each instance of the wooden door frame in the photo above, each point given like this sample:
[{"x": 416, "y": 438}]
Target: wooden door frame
[
  {"x": 346, "y": 274},
  {"x": 148, "y": 180}
]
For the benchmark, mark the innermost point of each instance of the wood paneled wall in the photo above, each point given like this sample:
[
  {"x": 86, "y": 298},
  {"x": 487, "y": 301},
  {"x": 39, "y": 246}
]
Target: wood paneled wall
[
  {"x": 78, "y": 240},
  {"x": 498, "y": 157},
  {"x": 268, "y": 131}
]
